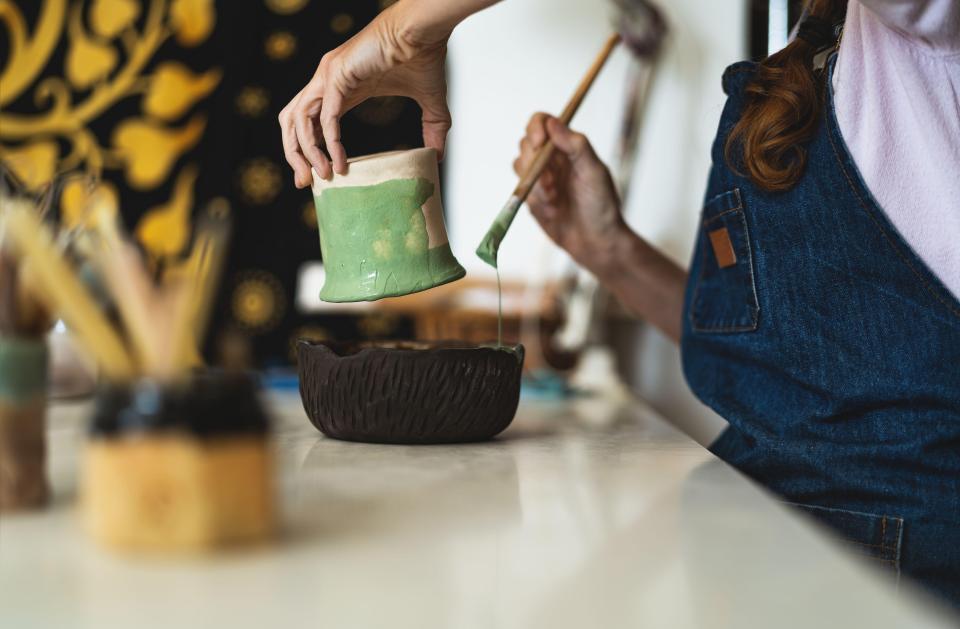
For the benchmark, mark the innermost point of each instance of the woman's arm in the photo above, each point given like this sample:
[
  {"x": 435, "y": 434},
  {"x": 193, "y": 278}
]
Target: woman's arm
[
  {"x": 402, "y": 52},
  {"x": 649, "y": 284},
  {"x": 577, "y": 205},
  {"x": 433, "y": 19}
]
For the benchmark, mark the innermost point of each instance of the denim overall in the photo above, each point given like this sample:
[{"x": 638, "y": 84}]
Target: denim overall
[{"x": 833, "y": 352}]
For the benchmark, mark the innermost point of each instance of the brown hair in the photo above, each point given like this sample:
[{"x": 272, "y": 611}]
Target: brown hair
[{"x": 783, "y": 108}]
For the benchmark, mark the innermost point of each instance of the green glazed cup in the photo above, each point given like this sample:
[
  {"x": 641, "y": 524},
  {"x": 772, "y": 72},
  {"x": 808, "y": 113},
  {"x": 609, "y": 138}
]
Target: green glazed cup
[{"x": 381, "y": 228}]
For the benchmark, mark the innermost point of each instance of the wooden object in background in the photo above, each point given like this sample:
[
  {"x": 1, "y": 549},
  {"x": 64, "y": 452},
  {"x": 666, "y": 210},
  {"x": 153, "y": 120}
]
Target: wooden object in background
[
  {"x": 23, "y": 474},
  {"x": 64, "y": 293},
  {"x": 467, "y": 311},
  {"x": 24, "y": 322}
]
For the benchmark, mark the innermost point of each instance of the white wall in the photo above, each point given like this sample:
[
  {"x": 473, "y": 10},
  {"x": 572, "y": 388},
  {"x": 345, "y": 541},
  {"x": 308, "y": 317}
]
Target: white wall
[{"x": 522, "y": 56}]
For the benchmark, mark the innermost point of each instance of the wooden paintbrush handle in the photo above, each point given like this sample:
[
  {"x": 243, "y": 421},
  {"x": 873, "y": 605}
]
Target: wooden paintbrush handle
[
  {"x": 533, "y": 173},
  {"x": 588, "y": 79},
  {"x": 543, "y": 155},
  {"x": 65, "y": 293}
]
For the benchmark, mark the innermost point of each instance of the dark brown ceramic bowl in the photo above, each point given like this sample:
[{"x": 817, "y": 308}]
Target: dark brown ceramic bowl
[{"x": 409, "y": 392}]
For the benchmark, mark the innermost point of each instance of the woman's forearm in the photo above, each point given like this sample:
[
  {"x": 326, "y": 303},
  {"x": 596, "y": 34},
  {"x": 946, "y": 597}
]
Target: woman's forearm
[
  {"x": 435, "y": 19},
  {"x": 648, "y": 283}
]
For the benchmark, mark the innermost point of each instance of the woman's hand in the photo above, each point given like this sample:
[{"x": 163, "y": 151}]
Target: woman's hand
[
  {"x": 574, "y": 200},
  {"x": 397, "y": 54},
  {"x": 577, "y": 204}
]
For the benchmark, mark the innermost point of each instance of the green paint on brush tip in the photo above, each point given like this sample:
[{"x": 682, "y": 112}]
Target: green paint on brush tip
[
  {"x": 487, "y": 251},
  {"x": 374, "y": 242},
  {"x": 490, "y": 245}
]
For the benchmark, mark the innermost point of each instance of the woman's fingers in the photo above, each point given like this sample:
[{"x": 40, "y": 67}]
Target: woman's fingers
[
  {"x": 536, "y": 129},
  {"x": 307, "y": 137},
  {"x": 553, "y": 173},
  {"x": 543, "y": 204},
  {"x": 533, "y": 142},
  {"x": 545, "y": 190},
  {"x": 545, "y": 213},
  {"x": 543, "y": 198},
  {"x": 291, "y": 148},
  {"x": 522, "y": 163},
  {"x": 331, "y": 108},
  {"x": 304, "y": 113},
  {"x": 574, "y": 145},
  {"x": 547, "y": 180}
]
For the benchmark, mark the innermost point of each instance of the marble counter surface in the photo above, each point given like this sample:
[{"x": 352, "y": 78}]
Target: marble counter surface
[{"x": 583, "y": 514}]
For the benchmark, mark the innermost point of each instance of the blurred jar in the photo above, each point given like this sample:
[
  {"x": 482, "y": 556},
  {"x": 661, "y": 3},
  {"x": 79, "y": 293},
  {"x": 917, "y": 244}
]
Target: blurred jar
[{"x": 23, "y": 445}]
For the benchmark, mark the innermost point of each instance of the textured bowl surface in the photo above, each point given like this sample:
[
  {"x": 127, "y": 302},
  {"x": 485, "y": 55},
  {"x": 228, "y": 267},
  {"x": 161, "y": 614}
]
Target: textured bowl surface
[{"x": 417, "y": 393}]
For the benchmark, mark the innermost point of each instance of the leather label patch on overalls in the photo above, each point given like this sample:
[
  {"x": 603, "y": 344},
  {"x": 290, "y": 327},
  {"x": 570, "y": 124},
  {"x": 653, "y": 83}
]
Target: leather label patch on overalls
[{"x": 722, "y": 247}]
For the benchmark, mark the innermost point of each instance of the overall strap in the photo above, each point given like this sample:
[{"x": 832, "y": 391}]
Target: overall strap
[{"x": 866, "y": 202}]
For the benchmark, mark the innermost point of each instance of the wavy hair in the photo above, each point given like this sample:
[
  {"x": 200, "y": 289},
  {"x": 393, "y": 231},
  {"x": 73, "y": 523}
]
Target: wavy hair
[{"x": 784, "y": 101}]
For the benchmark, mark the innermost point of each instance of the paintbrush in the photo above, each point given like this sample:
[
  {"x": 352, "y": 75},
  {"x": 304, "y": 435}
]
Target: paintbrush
[
  {"x": 21, "y": 312},
  {"x": 33, "y": 316},
  {"x": 8, "y": 294},
  {"x": 490, "y": 245},
  {"x": 198, "y": 289},
  {"x": 63, "y": 292},
  {"x": 132, "y": 291}
]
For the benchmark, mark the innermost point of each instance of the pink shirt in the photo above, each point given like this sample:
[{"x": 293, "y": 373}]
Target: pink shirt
[{"x": 897, "y": 95}]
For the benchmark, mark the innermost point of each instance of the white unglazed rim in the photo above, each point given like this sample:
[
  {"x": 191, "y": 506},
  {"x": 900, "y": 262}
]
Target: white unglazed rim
[
  {"x": 372, "y": 169},
  {"x": 368, "y": 170}
]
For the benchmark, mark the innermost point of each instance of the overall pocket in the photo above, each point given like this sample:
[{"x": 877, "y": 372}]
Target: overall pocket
[
  {"x": 725, "y": 294},
  {"x": 878, "y": 538}
]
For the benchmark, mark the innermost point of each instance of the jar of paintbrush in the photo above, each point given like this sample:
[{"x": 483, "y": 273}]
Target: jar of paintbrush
[
  {"x": 23, "y": 384},
  {"x": 178, "y": 456},
  {"x": 178, "y": 465}
]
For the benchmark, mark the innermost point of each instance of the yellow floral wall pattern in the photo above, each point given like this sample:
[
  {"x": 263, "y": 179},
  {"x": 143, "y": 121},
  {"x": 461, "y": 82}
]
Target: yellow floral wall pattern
[
  {"x": 108, "y": 65},
  {"x": 172, "y": 104}
]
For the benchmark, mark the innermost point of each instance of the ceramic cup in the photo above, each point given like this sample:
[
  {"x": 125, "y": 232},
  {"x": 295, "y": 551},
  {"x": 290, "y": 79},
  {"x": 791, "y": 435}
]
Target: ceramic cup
[{"x": 381, "y": 228}]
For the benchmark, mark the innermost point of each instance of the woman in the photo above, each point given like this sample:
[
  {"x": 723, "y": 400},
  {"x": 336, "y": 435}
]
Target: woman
[{"x": 820, "y": 315}]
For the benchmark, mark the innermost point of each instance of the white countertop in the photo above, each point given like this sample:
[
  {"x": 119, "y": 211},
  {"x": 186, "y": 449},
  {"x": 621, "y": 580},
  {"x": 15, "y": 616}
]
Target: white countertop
[{"x": 582, "y": 514}]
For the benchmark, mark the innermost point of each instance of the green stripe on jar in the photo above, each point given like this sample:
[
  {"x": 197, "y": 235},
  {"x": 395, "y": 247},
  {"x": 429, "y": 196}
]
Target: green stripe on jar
[{"x": 23, "y": 369}]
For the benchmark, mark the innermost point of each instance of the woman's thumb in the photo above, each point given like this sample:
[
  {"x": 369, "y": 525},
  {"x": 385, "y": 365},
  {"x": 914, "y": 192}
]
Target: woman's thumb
[{"x": 574, "y": 145}]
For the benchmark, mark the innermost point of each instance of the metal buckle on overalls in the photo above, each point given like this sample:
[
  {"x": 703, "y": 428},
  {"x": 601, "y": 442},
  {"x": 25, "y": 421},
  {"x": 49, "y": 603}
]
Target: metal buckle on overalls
[{"x": 821, "y": 56}]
